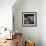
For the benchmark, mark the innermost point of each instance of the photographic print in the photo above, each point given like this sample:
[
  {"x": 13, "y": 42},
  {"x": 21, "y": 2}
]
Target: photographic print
[{"x": 29, "y": 19}]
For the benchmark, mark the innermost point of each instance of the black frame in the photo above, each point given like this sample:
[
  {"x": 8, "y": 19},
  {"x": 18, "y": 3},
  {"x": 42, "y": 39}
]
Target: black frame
[{"x": 32, "y": 16}]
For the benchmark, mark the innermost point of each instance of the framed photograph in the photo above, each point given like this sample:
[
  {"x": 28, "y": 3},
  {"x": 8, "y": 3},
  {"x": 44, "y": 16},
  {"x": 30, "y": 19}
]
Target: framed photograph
[{"x": 29, "y": 19}]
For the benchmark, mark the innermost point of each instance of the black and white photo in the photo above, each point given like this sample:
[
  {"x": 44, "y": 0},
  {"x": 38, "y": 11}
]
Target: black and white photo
[{"x": 29, "y": 19}]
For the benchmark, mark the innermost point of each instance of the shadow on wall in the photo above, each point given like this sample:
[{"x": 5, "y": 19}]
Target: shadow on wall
[{"x": 17, "y": 4}]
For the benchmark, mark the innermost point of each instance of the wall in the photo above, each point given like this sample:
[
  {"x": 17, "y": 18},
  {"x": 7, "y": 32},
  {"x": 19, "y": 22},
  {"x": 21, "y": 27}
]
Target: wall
[
  {"x": 6, "y": 18},
  {"x": 43, "y": 22},
  {"x": 6, "y": 13},
  {"x": 33, "y": 33}
]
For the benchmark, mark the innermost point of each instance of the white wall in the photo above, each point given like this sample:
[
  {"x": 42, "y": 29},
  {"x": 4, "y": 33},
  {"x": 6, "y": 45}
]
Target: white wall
[
  {"x": 6, "y": 13},
  {"x": 33, "y": 33},
  {"x": 43, "y": 22}
]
